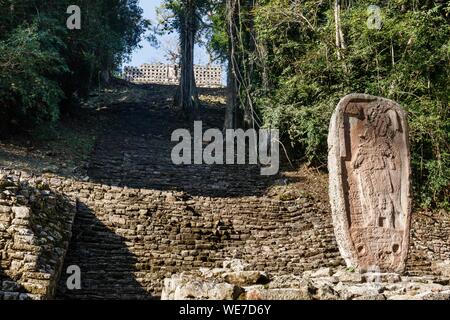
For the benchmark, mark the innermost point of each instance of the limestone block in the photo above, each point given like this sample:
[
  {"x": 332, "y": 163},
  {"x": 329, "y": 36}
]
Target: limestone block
[{"x": 21, "y": 212}]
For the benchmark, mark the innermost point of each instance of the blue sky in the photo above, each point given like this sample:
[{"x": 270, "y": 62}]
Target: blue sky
[{"x": 149, "y": 54}]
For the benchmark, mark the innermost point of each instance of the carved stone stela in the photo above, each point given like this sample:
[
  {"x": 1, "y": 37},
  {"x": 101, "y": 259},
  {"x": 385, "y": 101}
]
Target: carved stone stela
[{"x": 369, "y": 166}]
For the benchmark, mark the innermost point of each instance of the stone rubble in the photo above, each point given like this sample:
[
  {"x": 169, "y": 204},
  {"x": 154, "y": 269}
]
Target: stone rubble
[{"x": 322, "y": 284}]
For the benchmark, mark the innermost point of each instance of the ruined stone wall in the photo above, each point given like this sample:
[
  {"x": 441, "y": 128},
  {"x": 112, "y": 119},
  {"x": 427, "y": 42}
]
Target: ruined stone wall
[
  {"x": 169, "y": 74},
  {"x": 430, "y": 242},
  {"x": 208, "y": 76},
  {"x": 152, "y": 73},
  {"x": 126, "y": 241},
  {"x": 35, "y": 229}
]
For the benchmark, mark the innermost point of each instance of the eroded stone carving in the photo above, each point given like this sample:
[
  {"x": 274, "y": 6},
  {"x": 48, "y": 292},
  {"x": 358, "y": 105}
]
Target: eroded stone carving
[{"x": 369, "y": 166}]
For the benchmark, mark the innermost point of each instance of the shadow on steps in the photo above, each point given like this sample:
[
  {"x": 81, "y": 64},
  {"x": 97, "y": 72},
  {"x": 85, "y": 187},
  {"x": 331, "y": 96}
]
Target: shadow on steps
[{"x": 107, "y": 266}]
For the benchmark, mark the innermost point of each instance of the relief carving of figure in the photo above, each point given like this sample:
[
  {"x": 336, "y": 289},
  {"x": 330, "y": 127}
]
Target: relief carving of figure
[
  {"x": 369, "y": 166},
  {"x": 374, "y": 164}
]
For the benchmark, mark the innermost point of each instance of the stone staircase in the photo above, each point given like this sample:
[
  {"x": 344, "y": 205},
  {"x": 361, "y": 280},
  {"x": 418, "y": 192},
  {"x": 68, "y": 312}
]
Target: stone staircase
[{"x": 139, "y": 219}]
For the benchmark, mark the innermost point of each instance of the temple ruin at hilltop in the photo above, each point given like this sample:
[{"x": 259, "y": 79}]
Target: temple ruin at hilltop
[{"x": 205, "y": 75}]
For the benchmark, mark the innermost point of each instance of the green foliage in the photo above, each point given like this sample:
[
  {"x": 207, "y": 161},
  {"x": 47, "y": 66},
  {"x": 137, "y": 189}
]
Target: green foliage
[
  {"x": 407, "y": 60},
  {"x": 172, "y": 15},
  {"x": 30, "y": 62},
  {"x": 217, "y": 36},
  {"x": 43, "y": 64}
]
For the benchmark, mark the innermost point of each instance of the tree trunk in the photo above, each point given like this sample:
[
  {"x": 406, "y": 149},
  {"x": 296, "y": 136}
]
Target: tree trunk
[
  {"x": 107, "y": 67},
  {"x": 232, "y": 86},
  {"x": 233, "y": 114},
  {"x": 188, "y": 97},
  {"x": 340, "y": 42},
  {"x": 231, "y": 98},
  {"x": 241, "y": 34},
  {"x": 250, "y": 39}
]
